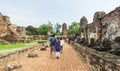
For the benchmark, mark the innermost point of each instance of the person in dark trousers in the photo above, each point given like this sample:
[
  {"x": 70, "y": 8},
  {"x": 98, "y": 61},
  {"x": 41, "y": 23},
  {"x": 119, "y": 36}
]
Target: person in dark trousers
[
  {"x": 52, "y": 45},
  {"x": 69, "y": 40}
]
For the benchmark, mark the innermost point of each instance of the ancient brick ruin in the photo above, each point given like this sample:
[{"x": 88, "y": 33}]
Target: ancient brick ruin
[
  {"x": 103, "y": 36},
  {"x": 83, "y": 24},
  {"x": 64, "y": 29},
  {"x": 92, "y": 30},
  {"x": 10, "y": 32},
  {"x": 99, "y": 61},
  {"x": 103, "y": 26},
  {"x": 111, "y": 24}
]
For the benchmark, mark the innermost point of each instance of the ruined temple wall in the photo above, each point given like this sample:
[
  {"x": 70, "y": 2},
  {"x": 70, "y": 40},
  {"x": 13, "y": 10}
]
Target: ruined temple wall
[
  {"x": 21, "y": 31},
  {"x": 94, "y": 27},
  {"x": 7, "y": 29},
  {"x": 3, "y": 29},
  {"x": 111, "y": 24},
  {"x": 83, "y": 28},
  {"x": 90, "y": 32},
  {"x": 14, "y": 27},
  {"x": 98, "y": 61},
  {"x": 3, "y": 26}
]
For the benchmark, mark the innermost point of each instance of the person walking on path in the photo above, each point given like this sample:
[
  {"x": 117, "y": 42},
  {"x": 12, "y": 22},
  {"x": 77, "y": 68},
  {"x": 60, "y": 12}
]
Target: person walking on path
[
  {"x": 61, "y": 44},
  {"x": 57, "y": 47},
  {"x": 52, "y": 45}
]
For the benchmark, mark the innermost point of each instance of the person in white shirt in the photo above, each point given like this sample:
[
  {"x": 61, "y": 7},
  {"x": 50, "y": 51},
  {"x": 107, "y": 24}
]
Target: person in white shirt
[{"x": 61, "y": 44}]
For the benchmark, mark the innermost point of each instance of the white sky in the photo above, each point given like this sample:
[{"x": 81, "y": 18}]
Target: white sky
[{"x": 37, "y": 12}]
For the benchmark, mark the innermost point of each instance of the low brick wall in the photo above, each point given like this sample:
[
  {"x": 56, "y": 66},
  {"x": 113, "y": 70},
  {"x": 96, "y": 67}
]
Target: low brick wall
[
  {"x": 16, "y": 54},
  {"x": 99, "y": 61}
]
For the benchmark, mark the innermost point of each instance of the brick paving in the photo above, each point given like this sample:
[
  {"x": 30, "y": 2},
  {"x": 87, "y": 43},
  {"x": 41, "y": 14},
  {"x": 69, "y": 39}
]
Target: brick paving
[{"x": 70, "y": 60}]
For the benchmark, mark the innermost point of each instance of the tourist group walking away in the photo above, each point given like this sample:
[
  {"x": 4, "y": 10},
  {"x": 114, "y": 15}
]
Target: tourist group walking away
[{"x": 56, "y": 46}]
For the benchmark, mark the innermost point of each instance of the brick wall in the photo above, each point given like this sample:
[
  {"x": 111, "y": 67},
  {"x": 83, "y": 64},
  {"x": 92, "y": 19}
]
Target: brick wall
[
  {"x": 16, "y": 54},
  {"x": 111, "y": 24},
  {"x": 99, "y": 61}
]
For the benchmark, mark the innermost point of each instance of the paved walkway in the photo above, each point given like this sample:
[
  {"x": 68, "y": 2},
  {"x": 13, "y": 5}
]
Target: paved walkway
[{"x": 70, "y": 60}]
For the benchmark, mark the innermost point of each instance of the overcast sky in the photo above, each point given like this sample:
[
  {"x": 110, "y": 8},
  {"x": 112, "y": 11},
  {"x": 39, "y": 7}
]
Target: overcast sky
[{"x": 37, "y": 12}]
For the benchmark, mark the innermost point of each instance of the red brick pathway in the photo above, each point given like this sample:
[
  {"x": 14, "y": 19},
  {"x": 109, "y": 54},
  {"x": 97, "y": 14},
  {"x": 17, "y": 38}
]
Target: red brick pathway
[{"x": 70, "y": 60}]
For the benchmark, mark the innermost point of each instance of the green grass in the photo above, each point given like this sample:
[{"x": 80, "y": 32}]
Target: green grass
[{"x": 9, "y": 47}]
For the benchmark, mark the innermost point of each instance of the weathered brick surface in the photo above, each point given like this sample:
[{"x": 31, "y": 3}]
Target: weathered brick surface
[
  {"x": 70, "y": 60},
  {"x": 111, "y": 25},
  {"x": 64, "y": 29},
  {"x": 99, "y": 61}
]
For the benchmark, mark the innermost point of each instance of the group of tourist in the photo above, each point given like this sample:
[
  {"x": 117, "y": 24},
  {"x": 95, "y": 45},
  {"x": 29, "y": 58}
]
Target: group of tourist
[{"x": 56, "y": 46}]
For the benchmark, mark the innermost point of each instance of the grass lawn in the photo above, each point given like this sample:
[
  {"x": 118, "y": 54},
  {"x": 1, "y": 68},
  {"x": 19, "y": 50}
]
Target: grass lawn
[{"x": 9, "y": 47}]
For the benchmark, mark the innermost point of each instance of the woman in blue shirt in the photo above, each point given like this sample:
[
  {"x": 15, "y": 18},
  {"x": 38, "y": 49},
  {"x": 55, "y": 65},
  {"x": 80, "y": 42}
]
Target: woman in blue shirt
[{"x": 57, "y": 47}]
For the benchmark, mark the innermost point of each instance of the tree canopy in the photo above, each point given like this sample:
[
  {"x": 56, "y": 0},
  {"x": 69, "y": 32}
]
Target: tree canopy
[
  {"x": 74, "y": 28},
  {"x": 30, "y": 30},
  {"x": 43, "y": 29},
  {"x": 57, "y": 28}
]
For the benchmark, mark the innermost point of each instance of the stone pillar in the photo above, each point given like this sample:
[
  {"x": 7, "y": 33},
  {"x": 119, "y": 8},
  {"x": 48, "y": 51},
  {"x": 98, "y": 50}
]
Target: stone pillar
[
  {"x": 83, "y": 27},
  {"x": 64, "y": 29},
  {"x": 97, "y": 22}
]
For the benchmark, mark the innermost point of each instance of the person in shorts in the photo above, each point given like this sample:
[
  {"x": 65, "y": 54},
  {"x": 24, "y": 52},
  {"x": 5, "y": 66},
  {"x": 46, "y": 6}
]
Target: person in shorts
[{"x": 52, "y": 45}]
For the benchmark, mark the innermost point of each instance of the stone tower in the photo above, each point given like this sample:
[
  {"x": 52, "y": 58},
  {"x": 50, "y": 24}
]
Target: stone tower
[
  {"x": 64, "y": 29},
  {"x": 96, "y": 17},
  {"x": 98, "y": 14},
  {"x": 83, "y": 23}
]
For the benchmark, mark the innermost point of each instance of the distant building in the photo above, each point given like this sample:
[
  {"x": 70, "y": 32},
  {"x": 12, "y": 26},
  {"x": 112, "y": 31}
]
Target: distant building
[{"x": 64, "y": 29}]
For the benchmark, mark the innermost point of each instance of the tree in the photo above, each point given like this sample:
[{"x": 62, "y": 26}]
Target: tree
[
  {"x": 43, "y": 29},
  {"x": 30, "y": 30},
  {"x": 57, "y": 28},
  {"x": 49, "y": 23},
  {"x": 50, "y": 27},
  {"x": 74, "y": 28}
]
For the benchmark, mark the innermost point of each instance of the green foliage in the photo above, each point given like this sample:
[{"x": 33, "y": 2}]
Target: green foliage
[
  {"x": 10, "y": 47},
  {"x": 30, "y": 30},
  {"x": 49, "y": 23},
  {"x": 74, "y": 28},
  {"x": 57, "y": 28},
  {"x": 43, "y": 29}
]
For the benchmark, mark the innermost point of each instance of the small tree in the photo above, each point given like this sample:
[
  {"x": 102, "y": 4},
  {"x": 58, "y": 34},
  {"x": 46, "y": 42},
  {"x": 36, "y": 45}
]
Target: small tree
[
  {"x": 57, "y": 28},
  {"x": 30, "y": 30},
  {"x": 43, "y": 29},
  {"x": 73, "y": 28}
]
